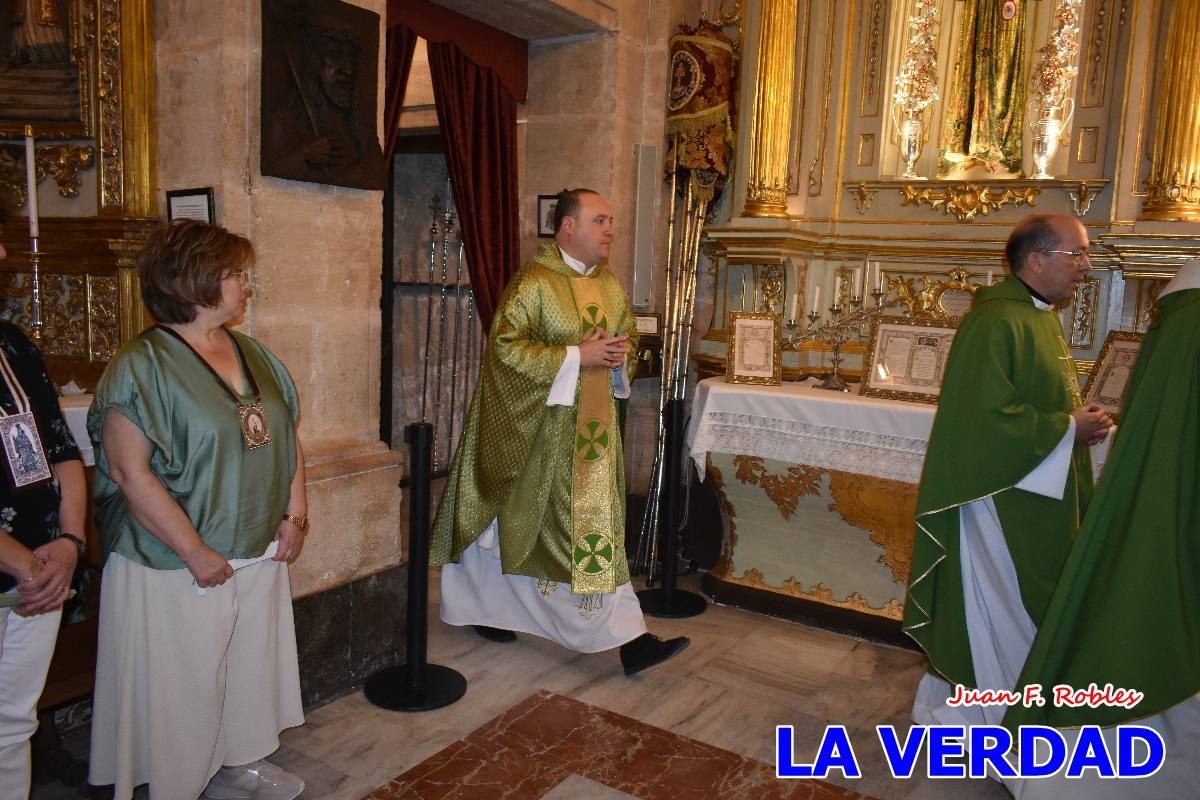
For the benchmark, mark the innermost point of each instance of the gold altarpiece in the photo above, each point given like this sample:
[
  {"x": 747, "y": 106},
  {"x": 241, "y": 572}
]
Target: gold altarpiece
[
  {"x": 1127, "y": 168},
  {"x": 832, "y": 71},
  {"x": 89, "y": 245}
]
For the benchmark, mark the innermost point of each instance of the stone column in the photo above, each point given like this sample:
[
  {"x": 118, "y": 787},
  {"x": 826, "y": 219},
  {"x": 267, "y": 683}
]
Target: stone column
[
  {"x": 774, "y": 71},
  {"x": 1173, "y": 189}
]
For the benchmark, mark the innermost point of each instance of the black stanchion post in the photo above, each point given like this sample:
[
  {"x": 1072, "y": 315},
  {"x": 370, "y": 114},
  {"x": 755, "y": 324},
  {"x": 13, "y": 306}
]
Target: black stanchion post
[
  {"x": 666, "y": 600},
  {"x": 417, "y": 685}
]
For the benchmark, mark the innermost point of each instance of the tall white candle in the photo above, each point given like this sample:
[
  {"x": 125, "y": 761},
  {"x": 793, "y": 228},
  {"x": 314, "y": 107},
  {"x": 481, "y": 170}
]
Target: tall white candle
[
  {"x": 31, "y": 182},
  {"x": 989, "y": 277},
  {"x": 878, "y": 280},
  {"x": 837, "y": 290},
  {"x": 816, "y": 304},
  {"x": 858, "y": 279},
  {"x": 795, "y": 306}
]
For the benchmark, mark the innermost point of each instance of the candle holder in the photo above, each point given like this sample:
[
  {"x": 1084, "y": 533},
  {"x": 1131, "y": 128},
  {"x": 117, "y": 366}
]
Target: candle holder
[
  {"x": 36, "y": 322},
  {"x": 842, "y": 324}
]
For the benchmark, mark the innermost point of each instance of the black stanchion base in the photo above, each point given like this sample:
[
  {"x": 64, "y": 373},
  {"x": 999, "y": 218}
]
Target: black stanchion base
[
  {"x": 443, "y": 686},
  {"x": 683, "y": 604}
]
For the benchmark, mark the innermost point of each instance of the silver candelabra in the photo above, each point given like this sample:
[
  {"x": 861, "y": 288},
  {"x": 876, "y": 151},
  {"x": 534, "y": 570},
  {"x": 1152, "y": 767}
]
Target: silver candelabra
[{"x": 842, "y": 324}]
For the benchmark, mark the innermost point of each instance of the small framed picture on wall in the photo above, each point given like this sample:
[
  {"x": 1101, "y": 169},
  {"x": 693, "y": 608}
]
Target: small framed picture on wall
[
  {"x": 191, "y": 204},
  {"x": 545, "y": 216}
]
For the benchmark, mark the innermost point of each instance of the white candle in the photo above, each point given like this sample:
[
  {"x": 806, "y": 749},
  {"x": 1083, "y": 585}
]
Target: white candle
[
  {"x": 989, "y": 277},
  {"x": 31, "y": 182},
  {"x": 837, "y": 290},
  {"x": 795, "y": 306},
  {"x": 743, "y": 291},
  {"x": 816, "y": 304},
  {"x": 858, "y": 279},
  {"x": 878, "y": 282}
]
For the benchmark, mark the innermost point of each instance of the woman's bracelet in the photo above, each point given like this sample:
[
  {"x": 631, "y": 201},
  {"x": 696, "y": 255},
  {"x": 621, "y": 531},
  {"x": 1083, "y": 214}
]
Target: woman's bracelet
[{"x": 299, "y": 522}]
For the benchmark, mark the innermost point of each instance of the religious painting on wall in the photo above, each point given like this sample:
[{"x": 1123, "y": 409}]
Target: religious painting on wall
[
  {"x": 906, "y": 359},
  {"x": 39, "y": 77},
  {"x": 1110, "y": 377},
  {"x": 755, "y": 348},
  {"x": 319, "y": 93}
]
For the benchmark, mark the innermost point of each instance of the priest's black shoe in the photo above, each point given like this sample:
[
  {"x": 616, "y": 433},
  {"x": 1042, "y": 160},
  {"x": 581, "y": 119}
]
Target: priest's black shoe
[
  {"x": 495, "y": 634},
  {"x": 648, "y": 650}
]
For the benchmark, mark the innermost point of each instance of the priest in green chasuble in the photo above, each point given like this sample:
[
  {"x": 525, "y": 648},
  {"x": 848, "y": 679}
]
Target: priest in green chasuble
[
  {"x": 531, "y": 527},
  {"x": 1007, "y": 476},
  {"x": 1126, "y": 610}
]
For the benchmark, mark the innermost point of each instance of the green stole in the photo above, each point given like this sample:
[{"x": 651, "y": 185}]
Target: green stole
[
  {"x": 591, "y": 512},
  {"x": 1005, "y": 405}
]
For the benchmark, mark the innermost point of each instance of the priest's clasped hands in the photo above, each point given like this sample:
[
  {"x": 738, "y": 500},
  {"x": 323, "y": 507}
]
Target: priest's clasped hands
[
  {"x": 599, "y": 349},
  {"x": 1092, "y": 424}
]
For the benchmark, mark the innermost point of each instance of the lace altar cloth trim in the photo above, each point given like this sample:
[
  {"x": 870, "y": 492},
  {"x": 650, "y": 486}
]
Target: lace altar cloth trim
[{"x": 859, "y": 452}]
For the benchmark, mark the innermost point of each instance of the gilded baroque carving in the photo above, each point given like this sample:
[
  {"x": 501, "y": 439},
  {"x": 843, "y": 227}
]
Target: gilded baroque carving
[
  {"x": 63, "y": 162},
  {"x": 767, "y": 179},
  {"x": 1097, "y": 65},
  {"x": 862, "y": 197},
  {"x": 816, "y": 170},
  {"x": 927, "y": 302},
  {"x": 64, "y": 310},
  {"x": 1081, "y": 199},
  {"x": 1083, "y": 314},
  {"x": 772, "y": 289},
  {"x": 104, "y": 329},
  {"x": 111, "y": 134},
  {"x": 1173, "y": 187},
  {"x": 964, "y": 201},
  {"x": 874, "y": 32}
]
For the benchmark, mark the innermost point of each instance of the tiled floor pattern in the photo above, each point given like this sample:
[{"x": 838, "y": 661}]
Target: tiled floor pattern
[
  {"x": 542, "y": 744},
  {"x": 743, "y": 675}
]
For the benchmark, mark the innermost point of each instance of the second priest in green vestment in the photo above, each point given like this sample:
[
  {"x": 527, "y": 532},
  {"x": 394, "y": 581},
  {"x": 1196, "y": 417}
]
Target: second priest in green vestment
[{"x": 1005, "y": 405}]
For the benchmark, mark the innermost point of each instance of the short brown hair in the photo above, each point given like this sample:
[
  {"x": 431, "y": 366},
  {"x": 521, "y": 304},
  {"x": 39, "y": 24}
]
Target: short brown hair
[
  {"x": 183, "y": 264},
  {"x": 568, "y": 204}
]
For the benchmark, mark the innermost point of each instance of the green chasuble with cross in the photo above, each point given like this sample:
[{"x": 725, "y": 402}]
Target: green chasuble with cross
[
  {"x": 552, "y": 475},
  {"x": 1010, "y": 385},
  {"x": 1127, "y": 610}
]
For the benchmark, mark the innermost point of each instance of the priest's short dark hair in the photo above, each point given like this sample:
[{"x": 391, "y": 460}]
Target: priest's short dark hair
[
  {"x": 1035, "y": 232},
  {"x": 567, "y": 204}
]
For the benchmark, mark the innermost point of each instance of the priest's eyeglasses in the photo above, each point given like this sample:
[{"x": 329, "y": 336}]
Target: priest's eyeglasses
[{"x": 1076, "y": 255}]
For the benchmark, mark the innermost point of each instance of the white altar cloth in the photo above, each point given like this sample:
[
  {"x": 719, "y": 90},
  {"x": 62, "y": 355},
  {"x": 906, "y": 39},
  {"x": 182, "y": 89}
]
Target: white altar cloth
[{"x": 801, "y": 424}]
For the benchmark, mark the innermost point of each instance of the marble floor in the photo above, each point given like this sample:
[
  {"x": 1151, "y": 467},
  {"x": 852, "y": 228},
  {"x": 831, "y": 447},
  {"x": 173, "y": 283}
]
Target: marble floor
[{"x": 743, "y": 675}]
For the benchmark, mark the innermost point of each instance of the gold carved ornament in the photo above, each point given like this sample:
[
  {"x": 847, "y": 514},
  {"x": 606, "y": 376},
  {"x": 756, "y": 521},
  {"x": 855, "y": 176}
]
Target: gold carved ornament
[
  {"x": 964, "y": 201},
  {"x": 928, "y": 302}
]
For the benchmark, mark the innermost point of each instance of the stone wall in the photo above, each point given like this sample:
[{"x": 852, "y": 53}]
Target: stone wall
[
  {"x": 316, "y": 283},
  {"x": 592, "y": 100}
]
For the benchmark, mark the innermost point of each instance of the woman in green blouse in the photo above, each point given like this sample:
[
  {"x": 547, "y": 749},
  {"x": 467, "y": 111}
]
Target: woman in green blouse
[{"x": 200, "y": 504}]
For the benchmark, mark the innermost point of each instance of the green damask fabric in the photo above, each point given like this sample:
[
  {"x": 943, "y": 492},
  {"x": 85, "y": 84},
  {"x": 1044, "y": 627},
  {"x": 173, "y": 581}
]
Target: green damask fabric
[
  {"x": 985, "y": 111},
  {"x": 1127, "y": 609},
  {"x": 1009, "y": 389},
  {"x": 515, "y": 459}
]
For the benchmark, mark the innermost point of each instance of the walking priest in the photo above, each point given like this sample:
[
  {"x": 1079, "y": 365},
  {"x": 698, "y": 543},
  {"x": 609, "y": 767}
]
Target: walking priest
[
  {"x": 531, "y": 528},
  {"x": 1007, "y": 476}
]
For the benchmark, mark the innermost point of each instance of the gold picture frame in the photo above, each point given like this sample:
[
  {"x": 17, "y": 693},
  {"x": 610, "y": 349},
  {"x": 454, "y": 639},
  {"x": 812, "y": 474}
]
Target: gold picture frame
[
  {"x": 1110, "y": 376},
  {"x": 906, "y": 358},
  {"x": 755, "y": 348}
]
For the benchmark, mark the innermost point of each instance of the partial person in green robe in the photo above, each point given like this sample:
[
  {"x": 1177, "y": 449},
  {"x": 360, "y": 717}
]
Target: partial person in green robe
[
  {"x": 1007, "y": 474},
  {"x": 531, "y": 527},
  {"x": 1127, "y": 608}
]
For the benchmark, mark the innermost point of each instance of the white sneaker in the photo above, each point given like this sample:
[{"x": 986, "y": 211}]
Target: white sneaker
[{"x": 261, "y": 780}]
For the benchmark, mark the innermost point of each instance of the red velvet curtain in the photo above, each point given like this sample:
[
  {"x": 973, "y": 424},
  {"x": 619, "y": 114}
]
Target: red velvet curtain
[
  {"x": 401, "y": 41},
  {"x": 478, "y": 118}
]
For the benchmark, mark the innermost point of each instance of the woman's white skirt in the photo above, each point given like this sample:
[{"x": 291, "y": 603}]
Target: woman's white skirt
[{"x": 187, "y": 679}]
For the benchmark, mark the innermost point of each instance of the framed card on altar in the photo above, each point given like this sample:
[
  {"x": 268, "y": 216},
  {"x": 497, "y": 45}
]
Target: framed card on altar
[
  {"x": 1110, "y": 376},
  {"x": 906, "y": 358},
  {"x": 755, "y": 348}
]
